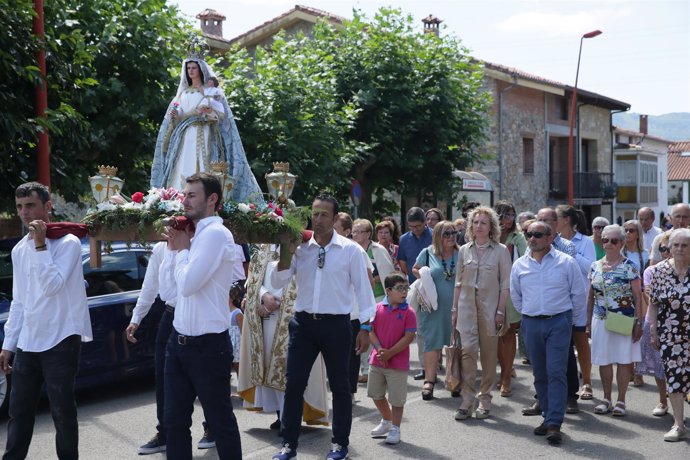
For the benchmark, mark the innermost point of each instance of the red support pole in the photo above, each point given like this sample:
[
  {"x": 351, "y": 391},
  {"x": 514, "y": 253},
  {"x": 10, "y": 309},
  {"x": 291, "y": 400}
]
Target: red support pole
[{"x": 41, "y": 98}]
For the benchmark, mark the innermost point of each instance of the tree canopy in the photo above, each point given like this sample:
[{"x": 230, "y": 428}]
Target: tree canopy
[
  {"x": 376, "y": 101},
  {"x": 109, "y": 82}
]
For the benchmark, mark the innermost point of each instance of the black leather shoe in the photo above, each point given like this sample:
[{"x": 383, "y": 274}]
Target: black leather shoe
[
  {"x": 534, "y": 409},
  {"x": 540, "y": 430},
  {"x": 275, "y": 425},
  {"x": 419, "y": 375},
  {"x": 553, "y": 435}
]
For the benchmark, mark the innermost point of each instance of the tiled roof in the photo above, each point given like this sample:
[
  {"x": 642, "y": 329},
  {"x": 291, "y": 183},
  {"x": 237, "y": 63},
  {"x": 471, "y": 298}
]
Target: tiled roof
[
  {"x": 582, "y": 94},
  {"x": 632, "y": 132},
  {"x": 305, "y": 9},
  {"x": 679, "y": 165},
  {"x": 210, "y": 14}
]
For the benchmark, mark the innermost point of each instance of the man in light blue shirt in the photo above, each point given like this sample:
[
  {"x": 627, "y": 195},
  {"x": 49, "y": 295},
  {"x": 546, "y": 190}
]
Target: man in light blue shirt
[{"x": 546, "y": 286}]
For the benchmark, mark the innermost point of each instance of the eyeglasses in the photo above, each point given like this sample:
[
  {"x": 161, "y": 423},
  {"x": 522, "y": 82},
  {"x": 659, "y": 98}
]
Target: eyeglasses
[
  {"x": 664, "y": 249},
  {"x": 537, "y": 235},
  {"x": 449, "y": 233},
  {"x": 598, "y": 227},
  {"x": 401, "y": 288},
  {"x": 613, "y": 241},
  {"x": 630, "y": 230},
  {"x": 507, "y": 216},
  {"x": 322, "y": 258},
  {"x": 357, "y": 232}
]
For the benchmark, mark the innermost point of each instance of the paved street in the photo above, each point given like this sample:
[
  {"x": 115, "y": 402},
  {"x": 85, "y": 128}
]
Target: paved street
[{"x": 115, "y": 419}]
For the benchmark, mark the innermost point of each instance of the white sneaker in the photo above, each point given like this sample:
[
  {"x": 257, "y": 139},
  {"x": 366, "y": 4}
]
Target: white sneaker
[
  {"x": 381, "y": 429},
  {"x": 676, "y": 433},
  {"x": 393, "y": 435},
  {"x": 660, "y": 410}
]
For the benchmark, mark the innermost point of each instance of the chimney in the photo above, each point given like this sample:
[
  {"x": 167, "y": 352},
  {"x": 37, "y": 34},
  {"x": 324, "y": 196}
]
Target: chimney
[
  {"x": 431, "y": 24},
  {"x": 644, "y": 126},
  {"x": 211, "y": 22}
]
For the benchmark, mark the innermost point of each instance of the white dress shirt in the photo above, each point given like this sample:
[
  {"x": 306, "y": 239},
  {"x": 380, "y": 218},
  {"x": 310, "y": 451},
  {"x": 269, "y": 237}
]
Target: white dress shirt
[
  {"x": 158, "y": 281},
  {"x": 354, "y": 314},
  {"x": 204, "y": 276},
  {"x": 328, "y": 290},
  {"x": 553, "y": 286},
  {"x": 49, "y": 296},
  {"x": 649, "y": 236}
]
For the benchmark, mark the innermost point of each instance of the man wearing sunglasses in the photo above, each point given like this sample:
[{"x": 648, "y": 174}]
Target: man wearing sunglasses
[
  {"x": 546, "y": 287},
  {"x": 680, "y": 218},
  {"x": 329, "y": 270}
]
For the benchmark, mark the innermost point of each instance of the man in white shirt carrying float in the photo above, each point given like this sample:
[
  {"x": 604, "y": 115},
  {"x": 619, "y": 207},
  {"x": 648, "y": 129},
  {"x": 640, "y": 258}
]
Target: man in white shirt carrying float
[
  {"x": 48, "y": 320},
  {"x": 329, "y": 269},
  {"x": 199, "y": 354}
]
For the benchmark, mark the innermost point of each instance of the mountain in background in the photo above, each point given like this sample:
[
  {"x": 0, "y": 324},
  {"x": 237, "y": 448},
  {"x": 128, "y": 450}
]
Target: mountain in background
[{"x": 669, "y": 126}]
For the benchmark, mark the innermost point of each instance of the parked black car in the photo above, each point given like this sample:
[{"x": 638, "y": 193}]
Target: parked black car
[{"x": 112, "y": 292}]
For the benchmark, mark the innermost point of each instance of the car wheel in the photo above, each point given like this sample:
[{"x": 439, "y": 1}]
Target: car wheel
[{"x": 5, "y": 383}]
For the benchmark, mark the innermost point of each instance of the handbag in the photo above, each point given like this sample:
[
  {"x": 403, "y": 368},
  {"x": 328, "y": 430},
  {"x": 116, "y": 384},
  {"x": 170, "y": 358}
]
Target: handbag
[
  {"x": 454, "y": 364},
  {"x": 616, "y": 322}
]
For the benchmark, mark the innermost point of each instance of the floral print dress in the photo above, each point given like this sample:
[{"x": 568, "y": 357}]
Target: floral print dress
[{"x": 672, "y": 297}]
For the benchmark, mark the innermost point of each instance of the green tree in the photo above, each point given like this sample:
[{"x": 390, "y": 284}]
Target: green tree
[
  {"x": 376, "y": 101},
  {"x": 111, "y": 73},
  {"x": 287, "y": 109}
]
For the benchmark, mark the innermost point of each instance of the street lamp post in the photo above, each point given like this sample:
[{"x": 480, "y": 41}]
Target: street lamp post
[{"x": 573, "y": 105}]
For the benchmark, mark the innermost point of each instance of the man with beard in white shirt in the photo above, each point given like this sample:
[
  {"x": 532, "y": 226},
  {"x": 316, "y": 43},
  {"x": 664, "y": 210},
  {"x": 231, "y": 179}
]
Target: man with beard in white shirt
[
  {"x": 48, "y": 320},
  {"x": 199, "y": 355}
]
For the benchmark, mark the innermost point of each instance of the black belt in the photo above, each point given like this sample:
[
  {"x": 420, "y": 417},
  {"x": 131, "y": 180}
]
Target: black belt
[
  {"x": 544, "y": 316},
  {"x": 318, "y": 316},
  {"x": 169, "y": 308},
  {"x": 195, "y": 340}
]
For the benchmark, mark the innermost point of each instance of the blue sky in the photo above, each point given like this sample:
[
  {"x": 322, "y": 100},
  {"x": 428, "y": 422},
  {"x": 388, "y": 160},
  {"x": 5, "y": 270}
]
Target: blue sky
[{"x": 642, "y": 57}]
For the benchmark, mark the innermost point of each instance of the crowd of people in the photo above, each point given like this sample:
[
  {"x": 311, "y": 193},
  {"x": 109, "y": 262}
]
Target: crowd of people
[{"x": 343, "y": 306}]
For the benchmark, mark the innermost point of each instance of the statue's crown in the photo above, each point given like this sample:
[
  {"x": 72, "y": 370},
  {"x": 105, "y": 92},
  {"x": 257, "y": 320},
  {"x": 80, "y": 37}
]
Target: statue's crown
[{"x": 197, "y": 48}]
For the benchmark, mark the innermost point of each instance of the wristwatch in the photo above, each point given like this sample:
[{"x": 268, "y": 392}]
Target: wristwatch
[{"x": 365, "y": 327}]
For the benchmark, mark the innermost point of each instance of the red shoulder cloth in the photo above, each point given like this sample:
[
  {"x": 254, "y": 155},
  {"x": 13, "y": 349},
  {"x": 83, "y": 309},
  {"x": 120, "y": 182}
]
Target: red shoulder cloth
[{"x": 59, "y": 229}]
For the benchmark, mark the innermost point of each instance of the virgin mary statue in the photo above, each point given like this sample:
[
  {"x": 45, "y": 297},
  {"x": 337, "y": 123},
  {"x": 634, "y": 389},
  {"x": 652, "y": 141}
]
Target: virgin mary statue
[{"x": 195, "y": 133}]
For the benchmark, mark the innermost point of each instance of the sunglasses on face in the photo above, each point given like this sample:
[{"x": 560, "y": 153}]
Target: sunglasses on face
[
  {"x": 630, "y": 230},
  {"x": 537, "y": 235},
  {"x": 449, "y": 233},
  {"x": 613, "y": 241},
  {"x": 401, "y": 288},
  {"x": 321, "y": 261},
  {"x": 663, "y": 249},
  {"x": 598, "y": 227},
  {"x": 507, "y": 216}
]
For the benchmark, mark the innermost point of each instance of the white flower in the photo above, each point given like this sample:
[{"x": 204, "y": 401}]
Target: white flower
[
  {"x": 172, "y": 205},
  {"x": 244, "y": 207},
  {"x": 106, "y": 206},
  {"x": 132, "y": 205},
  {"x": 276, "y": 217}
]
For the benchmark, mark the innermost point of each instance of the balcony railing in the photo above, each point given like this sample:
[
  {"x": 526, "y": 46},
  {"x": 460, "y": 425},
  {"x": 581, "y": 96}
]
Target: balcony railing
[{"x": 586, "y": 185}]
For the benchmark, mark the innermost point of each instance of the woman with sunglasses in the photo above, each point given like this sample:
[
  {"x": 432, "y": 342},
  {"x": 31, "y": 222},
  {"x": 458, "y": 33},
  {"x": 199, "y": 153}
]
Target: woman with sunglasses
[
  {"x": 598, "y": 225},
  {"x": 615, "y": 289},
  {"x": 513, "y": 239},
  {"x": 651, "y": 364},
  {"x": 479, "y": 307},
  {"x": 442, "y": 259},
  {"x": 670, "y": 325},
  {"x": 634, "y": 244}
]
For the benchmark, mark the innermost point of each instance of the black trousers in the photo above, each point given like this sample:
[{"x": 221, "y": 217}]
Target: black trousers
[
  {"x": 199, "y": 367},
  {"x": 162, "y": 336},
  {"x": 57, "y": 367},
  {"x": 355, "y": 363},
  {"x": 330, "y": 335}
]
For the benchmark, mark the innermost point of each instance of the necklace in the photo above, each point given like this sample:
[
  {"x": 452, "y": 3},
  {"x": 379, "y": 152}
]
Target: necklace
[
  {"x": 448, "y": 274},
  {"x": 611, "y": 265},
  {"x": 482, "y": 246}
]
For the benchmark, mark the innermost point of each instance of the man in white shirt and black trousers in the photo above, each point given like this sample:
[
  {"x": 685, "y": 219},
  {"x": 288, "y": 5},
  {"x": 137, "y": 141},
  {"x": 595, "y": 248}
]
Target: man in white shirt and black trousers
[
  {"x": 198, "y": 357},
  {"x": 48, "y": 320},
  {"x": 329, "y": 269}
]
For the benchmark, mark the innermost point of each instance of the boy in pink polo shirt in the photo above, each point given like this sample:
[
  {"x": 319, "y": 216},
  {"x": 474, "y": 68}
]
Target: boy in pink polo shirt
[{"x": 392, "y": 332}]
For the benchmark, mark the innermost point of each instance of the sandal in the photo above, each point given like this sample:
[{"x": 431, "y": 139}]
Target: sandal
[
  {"x": 506, "y": 392},
  {"x": 462, "y": 414},
  {"x": 603, "y": 408},
  {"x": 428, "y": 390},
  {"x": 586, "y": 392},
  {"x": 619, "y": 409}
]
